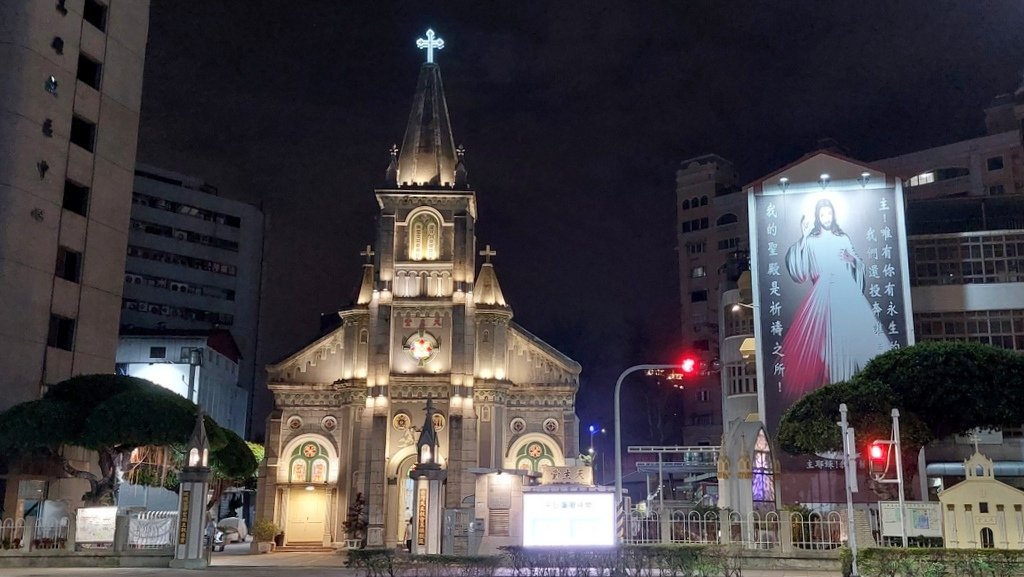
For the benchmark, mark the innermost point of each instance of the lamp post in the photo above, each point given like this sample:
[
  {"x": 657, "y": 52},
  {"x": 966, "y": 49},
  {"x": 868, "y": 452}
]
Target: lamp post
[
  {"x": 195, "y": 360},
  {"x": 618, "y": 431},
  {"x": 850, "y": 469},
  {"x": 593, "y": 453}
]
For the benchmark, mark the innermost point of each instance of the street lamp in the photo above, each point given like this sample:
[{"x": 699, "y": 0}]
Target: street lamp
[
  {"x": 736, "y": 307},
  {"x": 593, "y": 431},
  {"x": 618, "y": 432}
]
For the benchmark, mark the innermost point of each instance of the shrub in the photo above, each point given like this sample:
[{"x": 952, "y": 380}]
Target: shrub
[{"x": 264, "y": 530}]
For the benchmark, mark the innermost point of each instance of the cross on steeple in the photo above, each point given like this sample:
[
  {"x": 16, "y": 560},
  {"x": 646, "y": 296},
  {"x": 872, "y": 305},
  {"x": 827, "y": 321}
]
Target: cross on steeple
[
  {"x": 368, "y": 253},
  {"x": 975, "y": 438},
  {"x": 430, "y": 44},
  {"x": 487, "y": 253}
]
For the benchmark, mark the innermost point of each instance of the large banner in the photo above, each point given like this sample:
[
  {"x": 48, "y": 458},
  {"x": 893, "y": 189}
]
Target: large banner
[{"x": 830, "y": 277}]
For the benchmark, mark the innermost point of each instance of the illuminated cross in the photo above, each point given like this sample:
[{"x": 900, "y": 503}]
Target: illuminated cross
[
  {"x": 975, "y": 438},
  {"x": 430, "y": 44},
  {"x": 487, "y": 253},
  {"x": 368, "y": 253}
]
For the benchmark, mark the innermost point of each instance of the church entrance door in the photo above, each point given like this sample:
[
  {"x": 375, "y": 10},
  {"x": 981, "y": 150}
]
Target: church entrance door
[{"x": 306, "y": 516}]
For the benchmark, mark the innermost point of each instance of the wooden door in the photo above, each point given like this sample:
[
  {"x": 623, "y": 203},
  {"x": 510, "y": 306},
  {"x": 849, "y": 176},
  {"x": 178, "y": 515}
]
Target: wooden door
[{"x": 307, "y": 512}]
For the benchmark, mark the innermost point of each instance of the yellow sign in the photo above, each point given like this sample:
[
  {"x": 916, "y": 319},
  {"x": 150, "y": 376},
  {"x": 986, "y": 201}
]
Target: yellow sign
[
  {"x": 421, "y": 518},
  {"x": 186, "y": 503}
]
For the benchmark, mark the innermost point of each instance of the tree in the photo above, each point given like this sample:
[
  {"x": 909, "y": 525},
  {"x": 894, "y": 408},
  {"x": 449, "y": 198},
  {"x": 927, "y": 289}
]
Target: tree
[
  {"x": 112, "y": 415},
  {"x": 940, "y": 389}
]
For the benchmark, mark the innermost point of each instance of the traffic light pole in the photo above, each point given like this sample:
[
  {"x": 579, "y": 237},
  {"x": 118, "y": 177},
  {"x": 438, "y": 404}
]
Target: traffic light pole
[
  {"x": 899, "y": 473},
  {"x": 618, "y": 439}
]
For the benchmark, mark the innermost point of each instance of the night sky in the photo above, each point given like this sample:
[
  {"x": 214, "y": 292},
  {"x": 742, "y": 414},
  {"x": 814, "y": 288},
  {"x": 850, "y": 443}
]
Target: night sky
[{"x": 575, "y": 117}]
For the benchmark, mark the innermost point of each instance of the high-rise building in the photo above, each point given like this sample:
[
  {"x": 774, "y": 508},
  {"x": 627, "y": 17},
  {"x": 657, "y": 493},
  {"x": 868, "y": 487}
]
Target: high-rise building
[
  {"x": 70, "y": 95},
  {"x": 194, "y": 263},
  {"x": 711, "y": 228}
]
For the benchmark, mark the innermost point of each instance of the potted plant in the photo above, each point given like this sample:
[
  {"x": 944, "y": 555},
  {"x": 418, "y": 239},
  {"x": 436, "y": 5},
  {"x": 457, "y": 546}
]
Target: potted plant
[
  {"x": 355, "y": 522},
  {"x": 263, "y": 532}
]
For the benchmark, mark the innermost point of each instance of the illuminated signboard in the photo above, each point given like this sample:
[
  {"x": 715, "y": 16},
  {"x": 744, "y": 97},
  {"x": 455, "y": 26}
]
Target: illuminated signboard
[
  {"x": 829, "y": 268},
  {"x": 568, "y": 519},
  {"x": 96, "y": 525}
]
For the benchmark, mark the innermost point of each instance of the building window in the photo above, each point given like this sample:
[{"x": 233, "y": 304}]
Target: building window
[
  {"x": 158, "y": 352},
  {"x": 980, "y": 259},
  {"x": 698, "y": 272},
  {"x": 995, "y": 163},
  {"x": 89, "y": 71},
  {"x": 62, "y": 333},
  {"x": 729, "y": 243},
  {"x": 696, "y": 247},
  {"x": 998, "y": 328},
  {"x": 69, "y": 264},
  {"x": 699, "y": 296},
  {"x": 704, "y": 396},
  {"x": 763, "y": 481},
  {"x": 686, "y": 205},
  {"x": 83, "y": 133},
  {"x": 424, "y": 237},
  {"x": 742, "y": 379},
  {"x": 727, "y": 218},
  {"x": 997, "y": 190},
  {"x": 704, "y": 201},
  {"x": 988, "y": 540},
  {"x": 983, "y": 507},
  {"x": 76, "y": 198},
  {"x": 95, "y": 13}
]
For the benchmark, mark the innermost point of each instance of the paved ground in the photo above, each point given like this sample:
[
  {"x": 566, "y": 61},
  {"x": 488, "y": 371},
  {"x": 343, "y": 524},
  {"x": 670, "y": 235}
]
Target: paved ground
[{"x": 236, "y": 561}]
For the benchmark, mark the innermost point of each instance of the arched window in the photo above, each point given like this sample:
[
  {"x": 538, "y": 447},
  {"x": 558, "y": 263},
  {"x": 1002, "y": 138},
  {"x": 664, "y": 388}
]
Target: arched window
[
  {"x": 532, "y": 455},
  {"x": 763, "y": 479},
  {"x": 686, "y": 205},
  {"x": 727, "y": 218},
  {"x": 424, "y": 237},
  {"x": 308, "y": 464},
  {"x": 694, "y": 202},
  {"x": 988, "y": 541},
  {"x": 704, "y": 200}
]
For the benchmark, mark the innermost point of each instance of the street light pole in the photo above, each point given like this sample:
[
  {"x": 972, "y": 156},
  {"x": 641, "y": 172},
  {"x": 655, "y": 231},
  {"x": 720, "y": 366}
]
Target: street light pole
[
  {"x": 850, "y": 469},
  {"x": 618, "y": 431}
]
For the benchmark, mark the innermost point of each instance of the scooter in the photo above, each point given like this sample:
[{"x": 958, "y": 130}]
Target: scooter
[{"x": 218, "y": 540}]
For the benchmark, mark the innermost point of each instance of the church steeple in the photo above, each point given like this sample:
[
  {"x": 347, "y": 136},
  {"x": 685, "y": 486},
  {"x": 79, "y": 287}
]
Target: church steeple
[
  {"x": 428, "y": 155},
  {"x": 487, "y": 291}
]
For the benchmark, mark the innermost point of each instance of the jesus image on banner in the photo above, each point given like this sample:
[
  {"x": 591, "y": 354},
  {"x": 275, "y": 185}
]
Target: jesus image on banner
[{"x": 834, "y": 332}]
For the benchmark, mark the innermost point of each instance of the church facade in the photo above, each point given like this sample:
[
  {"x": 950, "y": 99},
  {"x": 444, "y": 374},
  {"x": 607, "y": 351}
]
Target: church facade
[{"x": 427, "y": 326}]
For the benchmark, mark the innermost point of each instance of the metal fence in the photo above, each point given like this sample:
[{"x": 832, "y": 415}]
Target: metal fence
[
  {"x": 152, "y": 529},
  {"x": 756, "y": 530},
  {"x": 30, "y": 534}
]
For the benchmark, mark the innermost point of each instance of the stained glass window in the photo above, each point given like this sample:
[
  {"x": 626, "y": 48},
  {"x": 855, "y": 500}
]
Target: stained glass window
[
  {"x": 532, "y": 455},
  {"x": 308, "y": 464},
  {"x": 763, "y": 481}
]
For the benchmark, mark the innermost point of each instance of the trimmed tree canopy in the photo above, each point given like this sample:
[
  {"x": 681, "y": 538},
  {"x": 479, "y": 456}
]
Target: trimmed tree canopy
[
  {"x": 113, "y": 414},
  {"x": 940, "y": 389}
]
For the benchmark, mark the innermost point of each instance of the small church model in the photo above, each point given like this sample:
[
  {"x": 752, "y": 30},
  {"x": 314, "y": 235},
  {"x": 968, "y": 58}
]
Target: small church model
[
  {"x": 981, "y": 512},
  {"x": 428, "y": 329}
]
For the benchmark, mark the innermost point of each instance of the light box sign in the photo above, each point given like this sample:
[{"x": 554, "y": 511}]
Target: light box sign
[
  {"x": 568, "y": 519},
  {"x": 95, "y": 525},
  {"x": 829, "y": 269}
]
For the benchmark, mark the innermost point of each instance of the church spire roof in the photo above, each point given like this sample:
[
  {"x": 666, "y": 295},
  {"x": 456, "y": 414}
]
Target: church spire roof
[
  {"x": 428, "y": 155},
  {"x": 366, "y": 287},
  {"x": 487, "y": 291}
]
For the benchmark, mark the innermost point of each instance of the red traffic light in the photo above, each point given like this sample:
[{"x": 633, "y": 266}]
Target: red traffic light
[
  {"x": 689, "y": 365},
  {"x": 876, "y": 452},
  {"x": 878, "y": 459}
]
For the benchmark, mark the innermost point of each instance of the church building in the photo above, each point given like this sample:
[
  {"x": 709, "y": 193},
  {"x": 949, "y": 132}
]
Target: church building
[{"x": 428, "y": 328}]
